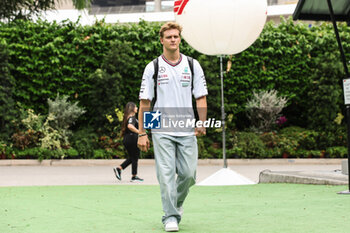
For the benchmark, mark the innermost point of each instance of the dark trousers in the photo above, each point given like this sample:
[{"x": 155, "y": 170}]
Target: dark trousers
[{"x": 130, "y": 144}]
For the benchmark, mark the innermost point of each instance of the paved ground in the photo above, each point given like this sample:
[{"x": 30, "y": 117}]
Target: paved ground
[{"x": 80, "y": 172}]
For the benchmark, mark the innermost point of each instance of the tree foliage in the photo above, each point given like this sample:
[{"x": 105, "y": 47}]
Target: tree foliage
[{"x": 25, "y": 9}]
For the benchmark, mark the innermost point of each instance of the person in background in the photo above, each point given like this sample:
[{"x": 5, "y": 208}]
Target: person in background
[{"x": 130, "y": 133}]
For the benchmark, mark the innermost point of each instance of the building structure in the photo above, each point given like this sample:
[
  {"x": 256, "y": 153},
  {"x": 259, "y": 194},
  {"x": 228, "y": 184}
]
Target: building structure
[{"x": 123, "y": 11}]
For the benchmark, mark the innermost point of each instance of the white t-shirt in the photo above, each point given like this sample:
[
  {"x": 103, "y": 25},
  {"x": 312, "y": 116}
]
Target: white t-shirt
[
  {"x": 173, "y": 83},
  {"x": 174, "y": 88}
]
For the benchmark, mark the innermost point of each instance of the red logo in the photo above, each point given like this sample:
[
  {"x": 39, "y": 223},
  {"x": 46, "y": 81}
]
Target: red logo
[{"x": 179, "y": 6}]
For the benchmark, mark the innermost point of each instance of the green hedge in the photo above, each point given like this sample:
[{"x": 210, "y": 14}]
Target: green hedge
[
  {"x": 101, "y": 67},
  {"x": 7, "y": 82},
  {"x": 46, "y": 58}
]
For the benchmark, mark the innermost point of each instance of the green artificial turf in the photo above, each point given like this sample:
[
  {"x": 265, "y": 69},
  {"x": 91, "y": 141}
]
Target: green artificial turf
[{"x": 258, "y": 208}]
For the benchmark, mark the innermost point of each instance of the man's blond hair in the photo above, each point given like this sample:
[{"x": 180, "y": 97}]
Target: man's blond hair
[{"x": 168, "y": 26}]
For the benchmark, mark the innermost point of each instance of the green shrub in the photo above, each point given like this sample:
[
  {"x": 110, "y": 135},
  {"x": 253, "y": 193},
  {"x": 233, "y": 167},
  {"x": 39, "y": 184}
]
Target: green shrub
[
  {"x": 33, "y": 153},
  {"x": 62, "y": 115},
  {"x": 85, "y": 147},
  {"x": 103, "y": 154},
  {"x": 315, "y": 154},
  {"x": 280, "y": 145},
  {"x": 23, "y": 154},
  {"x": 6, "y": 151},
  {"x": 335, "y": 137},
  {"x": 143, "y": 155},
  {"x": 65, "y": 113},
  {"x": 248, "y": 145},
  {"x": 203, "y": 152},
  {"x": 50, "y": 133},
  {"x": 85, "y": 142},
  {"x": 263, "y": 110},
  {"x": 275, "y": 152},
  {"x": 302, "y": 143},
  {"x": 71, "y": 153},
  {"x": 99, "y": 154},
  {"x": 120, "y": 153},
  {"x": 37, "y": 153},
  {"x": 337, "y": 152},
  {"x": 216, "y": 152},
  {"x": 292, "y": 130},
  {"x": 44, "y": 153},
  {"x": 31, "y": 121},
  {"x": 270, "y": 139},
  {"x": 306, "y": 139},
  {"x": 108, "y": 143},
  {"x": 25, "y": 139},
  {"x": 29, "y": 130},
  {"x": 309, "y": 140},
  {"x": 52, "y": 139}
]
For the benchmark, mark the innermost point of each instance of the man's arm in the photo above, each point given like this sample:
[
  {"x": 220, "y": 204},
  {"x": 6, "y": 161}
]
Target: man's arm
[
  {"x": 201, "y": 104},
  {"x": 143, "y": 142}
]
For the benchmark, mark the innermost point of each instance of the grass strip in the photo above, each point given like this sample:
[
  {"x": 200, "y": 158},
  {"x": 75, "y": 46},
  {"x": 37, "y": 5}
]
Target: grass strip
[{"x": 258, "y": 208}]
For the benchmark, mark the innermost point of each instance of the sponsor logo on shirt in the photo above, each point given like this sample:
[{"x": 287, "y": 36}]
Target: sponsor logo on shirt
[
  {"x": 204, "y": 82},
  {"x": 163, "y": 79},
  {"x": 186, "y": 71},
  {"x": 162, "y": 69},
  {"x": 185, "y": 80},
  {"x": 163, "y": 76}
]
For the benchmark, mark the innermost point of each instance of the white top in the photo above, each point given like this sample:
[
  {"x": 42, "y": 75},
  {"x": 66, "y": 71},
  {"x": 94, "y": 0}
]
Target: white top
[{"x": 173, "y": 84}]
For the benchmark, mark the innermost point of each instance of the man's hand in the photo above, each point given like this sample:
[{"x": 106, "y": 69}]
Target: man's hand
[
  {"x": 201, "y": 103},
  {"x": 143, "y": 143},
  {"x": 201, "y": 131}
]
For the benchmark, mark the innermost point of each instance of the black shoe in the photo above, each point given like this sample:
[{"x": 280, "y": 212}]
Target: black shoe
[
  {"x": 136, "y": 178},
  {"x": 117, "y": 172}
]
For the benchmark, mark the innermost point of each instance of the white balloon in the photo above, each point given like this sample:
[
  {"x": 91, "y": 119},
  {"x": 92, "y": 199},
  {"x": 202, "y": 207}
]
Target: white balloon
[{"x": 219, "y": 27}]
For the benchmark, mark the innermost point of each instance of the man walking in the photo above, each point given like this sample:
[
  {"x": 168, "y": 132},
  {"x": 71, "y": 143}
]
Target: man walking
[{"x": 178, "y": 77}]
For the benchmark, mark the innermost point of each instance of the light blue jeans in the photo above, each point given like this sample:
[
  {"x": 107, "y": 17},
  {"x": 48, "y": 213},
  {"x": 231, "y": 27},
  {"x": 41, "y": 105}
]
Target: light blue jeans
[{"x": 175, "y": 155}]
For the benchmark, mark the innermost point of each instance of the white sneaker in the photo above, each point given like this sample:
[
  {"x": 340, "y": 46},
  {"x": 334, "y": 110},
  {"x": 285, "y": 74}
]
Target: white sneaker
[{"x": 171, "y": 227}]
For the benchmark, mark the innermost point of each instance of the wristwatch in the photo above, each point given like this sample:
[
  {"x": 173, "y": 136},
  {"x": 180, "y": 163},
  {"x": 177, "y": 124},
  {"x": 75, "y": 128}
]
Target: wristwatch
[{"x": 141, "y": 135}]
